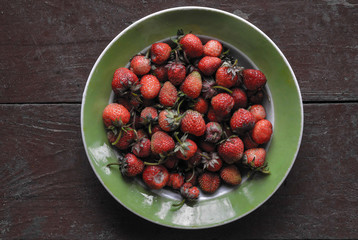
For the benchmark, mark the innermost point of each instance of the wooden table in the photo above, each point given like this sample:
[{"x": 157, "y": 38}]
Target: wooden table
[{"x": 48, "y": 189}]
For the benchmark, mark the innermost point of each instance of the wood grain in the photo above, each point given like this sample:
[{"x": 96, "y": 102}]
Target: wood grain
[
  {"x": 49, "y": 191},
  {"x": 49, "y": 47}
]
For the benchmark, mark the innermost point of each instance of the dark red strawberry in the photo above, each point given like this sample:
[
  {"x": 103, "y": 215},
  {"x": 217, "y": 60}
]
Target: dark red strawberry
[
  {"x": 168, "y": 95},
  {"x": 141, "y": 148},
  {"x": 176, "y": 180},
  {"x": 148, "y": 114},
  {"x": 191, "y": 45},
  {"x": 231, "y": 150},
  {"x": 258, "y": 111},
  {"x": 161, "y": 72},
  {"x": 222, "y": 104},
  {"x": 193, "y": 123},
  {"x": 123, "y": 140},
  {"x": 208, "y": 91},
  {"x": 213, "y": 48},
  {"x": 254, "y": 157},
  {"x": 201, "y": 105},
  {"x": 141, "y": 134},
  {"x": 209, "y": 182},
  {"x": 255, "y": 97},
  {"x": 253, "y": 79},
  {"x": 242, "y": 121},
  {"x": 185, "y": 148},
  {"x": 195, "y": 160},
  {"x": 171, "y": 162},
  {"x": 231, "y": 175},
  {"x": 240, "y": 98},
  {"x": 123, "y": 79},
  {"x": 176, "y": 73},
  {"x": 208, "y": 65},
  {"x": 192, "y": 85},
  {"x": 189, "y": 192},
  {"x": 213, "y": 132},
  {"x": 206, "y": 146},
  {"x": 211, "y": 161},
  {"x": 116, "y": 115},
  {"x": 130, "y": 165},
  {"x": 213, "y": 116},
  {"x": 155, "y": 128},
  {"x": 248, "y": 142},
  {"x": 150, "y": 86},
  {"x": 155, "y": 177},
  {"x": 125, "y": 102},
  {"x": 162, "y": 143},
  {"x": 262, "y": 131},
  {"x": 169, "y": 120},
  {"x": 160, "y": 52},
  {"x": 140, "y": 65},
  {"x": 191, "y": 177}
]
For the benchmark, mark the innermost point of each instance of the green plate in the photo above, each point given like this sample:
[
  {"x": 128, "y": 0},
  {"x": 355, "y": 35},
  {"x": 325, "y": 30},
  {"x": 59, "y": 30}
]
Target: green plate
[{"x": 284, "y": 110}]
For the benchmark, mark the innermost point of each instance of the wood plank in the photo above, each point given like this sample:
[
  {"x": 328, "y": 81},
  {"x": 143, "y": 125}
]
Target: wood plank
[
  {"x": 49, "y": 47},
  {"x": 49, "y": 191}
]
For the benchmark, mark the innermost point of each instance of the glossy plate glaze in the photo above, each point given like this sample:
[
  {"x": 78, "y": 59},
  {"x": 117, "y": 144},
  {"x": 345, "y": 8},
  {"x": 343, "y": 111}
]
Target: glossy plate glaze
[{"x": 286, "y": 113}]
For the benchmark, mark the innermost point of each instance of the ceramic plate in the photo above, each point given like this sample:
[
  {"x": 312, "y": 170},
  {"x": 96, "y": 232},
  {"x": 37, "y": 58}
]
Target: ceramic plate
[{"x": 284, "y": 110}]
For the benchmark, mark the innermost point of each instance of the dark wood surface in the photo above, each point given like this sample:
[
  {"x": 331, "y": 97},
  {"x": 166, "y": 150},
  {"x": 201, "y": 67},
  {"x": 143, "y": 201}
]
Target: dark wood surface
[{"x": 48, "y": 189}]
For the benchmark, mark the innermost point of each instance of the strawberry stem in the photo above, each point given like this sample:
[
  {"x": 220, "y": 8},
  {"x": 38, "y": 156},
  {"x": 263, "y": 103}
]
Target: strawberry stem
[
  {"x": 223, "y": 88},
  {"x": 111, "y": 164},
  {"x": 118, "y": 137},
  {"x": 150, "y": 128},
  {"x": 177, "y": 138},
  {"x": 178, "y": 205},
  {"x": 192, "y": 175}
]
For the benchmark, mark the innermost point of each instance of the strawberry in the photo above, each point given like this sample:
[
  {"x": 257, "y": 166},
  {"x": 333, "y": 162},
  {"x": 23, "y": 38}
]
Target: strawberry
[
  {"x": 148, "y": 114},
  {"x": 231, "y": 150},
  {"x": 213, "y": 132},
  {"x": 254, "y": 157},
  {"x": 211, "y": 161},
  {"x": 140, "y": 65},
  {"x": 240, "y": 98},
  {"x": 115, "y": 115},
  {"x": 141, "y": 134},
  {"x": 193, "y": 123},
  {"x": 160, "y": 52},
  {"x": 125, "y": 102},
  {"x": 248, "y": 142},
  {"x": 176, "y": 180},
  {"x": 213, "y": 116},
  {"x": 123, "y": 79},
  {"x": 155, "y": 177},
  {"x": 168, "y": 95},
  {"x": 255, "y": 97},
  {"x": 242, "y": 121},
  {"x": 208, "y": 90},
  {"x": 169, "y": 120},
  {"x": 230, "y": 175},
  {"x": 192, "y": 45},
  {"x": 161, "y": 72},
  {"x": 201, "y": 105},
  {"x": 130, "y": 165},
  {"x": 206, "y": 146},
  {"x": 176, "y": 73},
  {"x": 123, "y": 140},
  {"x": 189, "y": 192},
  {"x": 253, "y": 79},
  {"x": 185, "y": 148},
  {"x": 209, "y": 182},
  {"x": 141, "y": 148},
  {"x": 191, "y": 177},
  {"x": 195, "y": 160},
  {"x": 258, "y": 111},
  {"x": 150, "y": 86},
  {"x": 155, "y": 128},
  {"x": 208, "y": 65},
  {"x": 213, "y": 48},
  {"x": 222, "y": 104},
  {"x": 171, "y": 162},
  {"x": 162, "y": 143},
  {"x": 225, "y": 78},
  {"x": 192, "y": 85},
  {"x": 262, "y": 131}
]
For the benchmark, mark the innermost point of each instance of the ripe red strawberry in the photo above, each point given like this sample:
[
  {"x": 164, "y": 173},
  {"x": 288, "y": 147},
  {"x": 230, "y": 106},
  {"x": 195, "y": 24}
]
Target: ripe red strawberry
[
  {"x": 130, "y": 165},
  {"x": 192, "y": 45},
  {"x": 209, "y": 182},
  {"x": 248, "y": 142},
  {"x": 255, "y": 97},
  {"x": 155, "y": 177},
  {"x": 192, "y": 85},
  {"x": 213, "y": 116},
  {"x": 258, "y": 111},
  {"x": 213, "y": 132},
  {"x": 211, "y": 162},
  {"x": 141, "y": 148},
  {"x": 126, "y": 137},
  {"x": 224, "y": 77},
  {"x": 169, "y": 120},
  {"x": 262, "y": 131},
  {"x": 155, "y": 128},
  {"x": 162, "y": 143},
  {"x": 150, "y": 86},
  {"x": 213, "y": 48},
  {"x": 208, "y": 65},
  {"x": 193, "y": 123},
  {"x": 168, "y": 95},
  {"x": 141, "y": 134},
  {"x": 242, "y": 121},
  {"x": 254, "y": 157},
  {"x": 253, "y": 79},
  {"x": 189, "y": 192},
  {"x": 206, "y": 146},
  {"x": 185, "y": 148},
  {"x": 231, "y": 175},
  {"x": 116, "y": 115},
  {"x": 176, "y": 180},
  {"x": 201, "y": 105},
  {"x": 222, "y": 104},
  {"x": 171, "y": 162},
  {"x": 148, "y": 114},
  {"x": 140, "y": 65},
  {"x": 161, "y": 72},
  {"x": 160, "y": 52},
  {"x": 240, "y": 98},
  {"x": 231, "y": 150},
  {"x": 176, "y": 73},
  {"x": 123, "y": 79}
]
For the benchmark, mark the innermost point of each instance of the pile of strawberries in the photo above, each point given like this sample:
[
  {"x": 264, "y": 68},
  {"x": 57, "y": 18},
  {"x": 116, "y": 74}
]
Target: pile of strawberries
[{"x": 186, "y": 116}]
